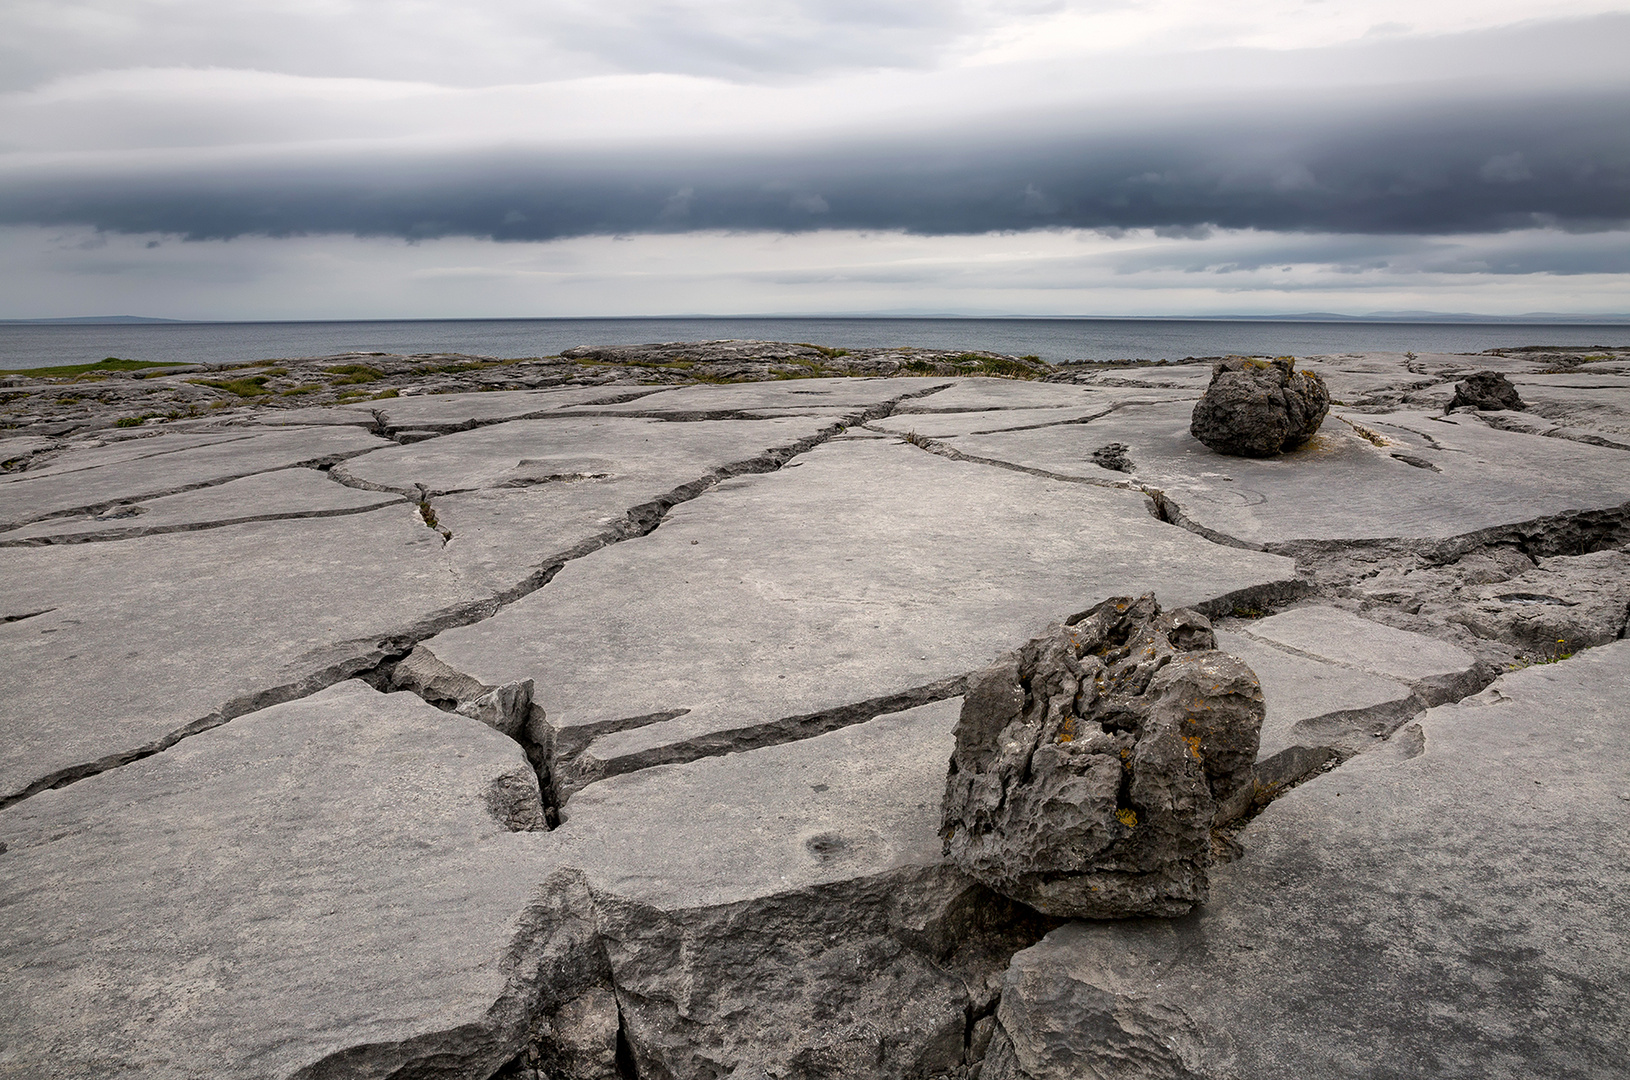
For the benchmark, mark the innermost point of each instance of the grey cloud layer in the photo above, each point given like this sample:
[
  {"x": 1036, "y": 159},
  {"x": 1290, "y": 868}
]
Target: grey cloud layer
[{"x": 1476, "y": 166}]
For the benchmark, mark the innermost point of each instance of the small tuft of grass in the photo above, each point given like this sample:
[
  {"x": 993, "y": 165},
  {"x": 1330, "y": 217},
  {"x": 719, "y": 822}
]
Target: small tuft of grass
[
  {"x": 354, "y": 373},
  {"x": 306, "y": 388},
  {"x": 252, "y": 386}
]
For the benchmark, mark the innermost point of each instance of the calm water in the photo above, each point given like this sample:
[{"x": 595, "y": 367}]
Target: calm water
[{"x": 1055, "y": 340}]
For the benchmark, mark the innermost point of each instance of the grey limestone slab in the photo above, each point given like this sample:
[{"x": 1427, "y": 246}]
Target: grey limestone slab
[
  {"x": 1342, "y": 637},
  {"x": 166, "y": 464},
  {"x": 531, "y": 491},
  {"x": 141, "y": 641},
  {"x": 1449, "y": 906},
  {"x": 450, "y": 412},
  {"x": 575, "y": 450},
  {"x": 804, "y": 395},
  {"x": 860, "y": 801},
  {"x": 1433, "y": 476},
  {"x": 319, "y": 416},
  {"x": 124, "y": 446},
  {"x": 980, "y": 395},
  {"x": 863, "y": 569},
  {"x": 1298, "y": 688},
  {"x": 327, "y": 874},
  {"x": 282, "y": 493}
]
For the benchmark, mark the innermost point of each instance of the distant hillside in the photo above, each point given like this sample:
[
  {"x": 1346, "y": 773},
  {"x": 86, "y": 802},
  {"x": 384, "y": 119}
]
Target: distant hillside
[{"x": 88, "y": 320}]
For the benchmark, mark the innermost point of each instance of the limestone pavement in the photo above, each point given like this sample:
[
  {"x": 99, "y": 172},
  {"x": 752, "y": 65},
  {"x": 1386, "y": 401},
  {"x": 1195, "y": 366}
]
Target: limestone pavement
[{"x": 250, "y": 825}]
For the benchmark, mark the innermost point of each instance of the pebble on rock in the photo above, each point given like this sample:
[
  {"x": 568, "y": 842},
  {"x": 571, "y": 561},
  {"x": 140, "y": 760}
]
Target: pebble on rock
[
  {"x": 1090, "y": 764},
  {"x": 1259, "y": 408}
]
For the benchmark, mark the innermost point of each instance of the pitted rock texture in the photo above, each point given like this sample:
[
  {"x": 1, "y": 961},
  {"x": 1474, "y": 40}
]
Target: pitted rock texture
[
  {"x": 1259, "y": 408},
  {"x": 1090, "y": 763},
  {"x": 1485, "y": 390}
]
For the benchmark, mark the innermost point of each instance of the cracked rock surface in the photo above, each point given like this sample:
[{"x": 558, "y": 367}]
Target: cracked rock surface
[
  {"x": 1448, "y": 906},
  {"x": 591, "y": 717}
]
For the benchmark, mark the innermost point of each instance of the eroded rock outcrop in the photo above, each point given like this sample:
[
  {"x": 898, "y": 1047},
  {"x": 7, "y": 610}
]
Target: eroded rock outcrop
[
  {"x": 1485, "y": 390},
  {"x": 1090, "y": 764},
  {"x": 1259, "y": 408}
]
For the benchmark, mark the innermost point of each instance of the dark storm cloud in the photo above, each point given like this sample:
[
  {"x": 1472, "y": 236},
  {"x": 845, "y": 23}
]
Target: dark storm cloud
[{"x": 1478, "y": 166}]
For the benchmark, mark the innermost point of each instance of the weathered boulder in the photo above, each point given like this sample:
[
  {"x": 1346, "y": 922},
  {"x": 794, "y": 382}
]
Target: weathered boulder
[
  {"x": 1090, "y": 763},
  {"x": 1485, "y": 390},
  {"x": 1259, "y": 408}
]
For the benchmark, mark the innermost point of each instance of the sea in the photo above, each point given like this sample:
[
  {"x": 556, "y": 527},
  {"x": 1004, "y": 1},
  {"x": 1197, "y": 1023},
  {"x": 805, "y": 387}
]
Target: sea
[{"x": 1057, "y": 340}]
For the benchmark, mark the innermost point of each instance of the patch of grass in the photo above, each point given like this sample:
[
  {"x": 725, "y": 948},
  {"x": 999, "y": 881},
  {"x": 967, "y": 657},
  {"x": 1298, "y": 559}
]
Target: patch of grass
[
  {"x": 921, "y": 367},
  {"x": 306, "y": 388},
  {"x": 1010, "y": 369},
  {"x": 354, "y": 373},
  {"x": 252, "y": 386},
  {"x": 386, "y": 394},
  {"x": 1032, "y": 358},
  {"x": 112, "y": 363}
]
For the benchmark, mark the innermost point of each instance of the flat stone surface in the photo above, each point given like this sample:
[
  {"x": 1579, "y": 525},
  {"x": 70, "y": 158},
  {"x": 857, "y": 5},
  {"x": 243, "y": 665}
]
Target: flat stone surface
[
  {"x": 447, "y": 412},
  {"x": 282, "y": 493},
  {"x": 167, "y": 464},
  {"x": 800, "y": 395},
  {"x": 576, "y": 451},
  {"x": 969, "y": 395},
  {"x": 319, "y": 416},
  {"x": 852, "y": 803},
  {"x": 748, "y": 880},
  {"x": 1332, "y": 634},
  {"x": 321, "y": 875},
  {"x": 813, "y": 588},
  {"x": 1449, "y": 907},
  {"x": 1338, "y": 486},
  {"x": 531, "y": 491},
  {"x": 122, "y": 446},
  {"x": 1297, "y": 688},
  {"x": 142, "y": 639}
]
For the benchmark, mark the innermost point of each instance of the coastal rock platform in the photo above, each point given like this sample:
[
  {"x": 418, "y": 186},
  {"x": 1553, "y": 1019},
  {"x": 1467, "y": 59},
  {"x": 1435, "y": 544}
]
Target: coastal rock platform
[{"x": 729, "y": 596}]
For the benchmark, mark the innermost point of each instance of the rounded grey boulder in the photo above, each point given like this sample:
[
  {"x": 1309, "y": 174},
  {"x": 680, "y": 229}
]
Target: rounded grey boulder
[
  {"x": 1090, "y": 763},
  {"x": 1259, "y": 408}
]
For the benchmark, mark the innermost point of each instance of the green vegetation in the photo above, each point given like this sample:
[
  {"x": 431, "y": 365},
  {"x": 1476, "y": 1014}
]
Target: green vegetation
[
  {"x": 101, "y": 367},
  {"x": 252, "y": 386},
  {"x": 304, "y": 388},
  {"x": 354, "y": 373}
]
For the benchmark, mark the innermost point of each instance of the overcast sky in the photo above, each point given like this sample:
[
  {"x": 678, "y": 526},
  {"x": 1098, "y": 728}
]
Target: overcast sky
[{"x": 432, "y": 158}]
